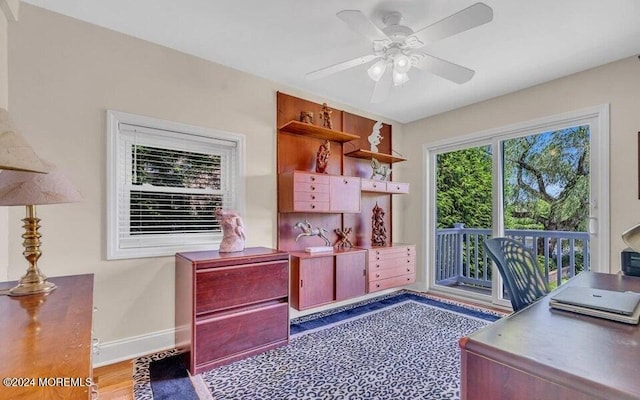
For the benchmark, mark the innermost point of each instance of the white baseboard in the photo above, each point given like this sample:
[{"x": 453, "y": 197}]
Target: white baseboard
[{"x": 135, "y": 346}]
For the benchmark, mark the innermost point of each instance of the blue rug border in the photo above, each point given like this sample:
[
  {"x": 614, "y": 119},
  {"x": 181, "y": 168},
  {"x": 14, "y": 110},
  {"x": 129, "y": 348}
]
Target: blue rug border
[{"x": 379, "y": 304}]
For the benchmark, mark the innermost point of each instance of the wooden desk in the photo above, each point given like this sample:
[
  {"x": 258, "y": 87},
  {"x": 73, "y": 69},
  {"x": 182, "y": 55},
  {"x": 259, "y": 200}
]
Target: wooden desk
[
  {"x": 46, "y": 341},
  {"x": 540, "y": 353}
]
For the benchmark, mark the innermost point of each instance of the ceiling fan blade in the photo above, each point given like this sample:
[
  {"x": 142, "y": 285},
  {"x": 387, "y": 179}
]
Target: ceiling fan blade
[
  {"x": 383, "y": 87},
  {"x": 332, "y": 69},
  {"x": 363, "y": 25},
  {"x": 448, "y": 70},
  {"x": 472, "y": 16}
]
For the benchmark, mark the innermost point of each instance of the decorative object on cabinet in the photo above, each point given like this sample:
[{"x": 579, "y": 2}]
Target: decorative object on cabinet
[
  {"x": 343, "y": 241},
  {"x": 379, "y": 232},
  {"x": 308, "y": 230},
  {"x": 325, "y": 116},
  {"x": 375, "y": 138},
  {"x": 378, "y": 169},
  {"x": 322, "y": 157},
  {"x": 230, "y": 305},
  {"x": 48, "y": 335},
  {"x": 15, "y": 152},
  {"x": 233, "y": 237},
  {"x": 306, "y": 117},
  {"x": 19, "y": 188}
]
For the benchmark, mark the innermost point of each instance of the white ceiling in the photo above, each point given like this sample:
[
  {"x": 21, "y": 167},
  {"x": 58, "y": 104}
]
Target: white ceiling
[{"x": 527, "y": 43}]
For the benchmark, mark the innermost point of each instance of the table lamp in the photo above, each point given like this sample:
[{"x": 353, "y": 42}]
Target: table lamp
[
  {"x": 31, "y": 189},
  {"x": 632, "y": 237},
  {"x": 15, "y": 153}
]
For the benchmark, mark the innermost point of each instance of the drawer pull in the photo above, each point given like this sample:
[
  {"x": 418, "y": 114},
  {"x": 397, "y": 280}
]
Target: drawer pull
[
  {"x": 313, "y": 197},
  {"x": 313, "y": 187},
  {"x": 345, "y": 181},
  {"x": 377, "y": 258},
  {"x": 377, "y": 265},
  {"x": 398, "y": 187},
  {"x": 408, "y": 278},
  {"x": 408, "y": 261},
  {"x": 313, "y": 206},
  {"x": 375, "y": 186},
  {"x": 377, "y": 285},
  {"x": 377, "y": 275},
  {"x": 313, "y": 179},
  {"x": 408, "y": 269}
]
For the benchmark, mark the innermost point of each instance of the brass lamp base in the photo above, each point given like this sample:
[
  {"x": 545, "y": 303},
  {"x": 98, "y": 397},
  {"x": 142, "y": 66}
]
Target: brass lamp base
[{"x": 32, "y": 283}]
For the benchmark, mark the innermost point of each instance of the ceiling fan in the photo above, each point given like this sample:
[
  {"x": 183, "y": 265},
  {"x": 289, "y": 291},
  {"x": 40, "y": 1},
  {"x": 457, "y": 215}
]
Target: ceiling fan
[{"x": 396, "y": 48}]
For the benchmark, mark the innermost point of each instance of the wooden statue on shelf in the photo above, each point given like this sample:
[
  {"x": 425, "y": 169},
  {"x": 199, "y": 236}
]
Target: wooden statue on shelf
[
  {"x": 232, "y": 231},
  {"x": 379, "y": 169},
  {"x": 379, "y": 232},
  {"x": 325, "y": 116},
  {"x": 306, "y": 117},
  {"x": 343, "y": 238},
  {"x": 308, "y": 230},
  {"x": 375, "y": 138},
  {"x": 322, "y": 157}
]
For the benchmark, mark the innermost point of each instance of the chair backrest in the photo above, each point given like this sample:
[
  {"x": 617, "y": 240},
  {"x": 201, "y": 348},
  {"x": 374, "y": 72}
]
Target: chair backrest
[{"x": 519, "y": 270}]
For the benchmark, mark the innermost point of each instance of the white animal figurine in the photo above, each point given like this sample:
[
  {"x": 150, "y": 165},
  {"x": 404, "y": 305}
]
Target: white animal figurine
[
  {"x": 232, "y": 231},
  {"x": 375, "y": 137}
]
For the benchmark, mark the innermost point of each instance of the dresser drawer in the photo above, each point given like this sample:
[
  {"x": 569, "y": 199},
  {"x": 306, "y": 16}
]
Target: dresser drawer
[
  {"x": 370, "y": 185},
  {"x": 397, "y": 187},
  {"x": 300, "y": 178},
  {"x": 221, "y": 288},
  {"x": 375, "y": 275},
  {"x": 311, "y": 196},
  {"x": 230, "y": 334},
  {"x": 385, "y": 253},
  {"x": 311, "y": 206},
  {"x": 379, "y": 265},
  {"x": 382, "y": 284}
]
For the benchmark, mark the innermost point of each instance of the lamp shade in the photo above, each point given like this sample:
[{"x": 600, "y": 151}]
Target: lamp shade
[
  {"x": 18, "y": 188},
  {"x": 632, "y": 237},
  {"x": 15, "y": 153}
]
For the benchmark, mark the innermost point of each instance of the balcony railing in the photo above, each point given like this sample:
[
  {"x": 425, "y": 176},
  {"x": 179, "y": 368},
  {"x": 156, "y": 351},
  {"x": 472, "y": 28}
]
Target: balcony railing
[{"x": 461, "y": 259}]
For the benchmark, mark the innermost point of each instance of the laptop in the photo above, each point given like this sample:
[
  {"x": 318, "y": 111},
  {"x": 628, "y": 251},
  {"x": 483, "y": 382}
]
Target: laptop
[{"x": 608, "y": 304}]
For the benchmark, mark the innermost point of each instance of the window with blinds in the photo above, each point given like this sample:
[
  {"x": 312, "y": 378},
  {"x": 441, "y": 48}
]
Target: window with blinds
[{"x": 166, "y": 181}]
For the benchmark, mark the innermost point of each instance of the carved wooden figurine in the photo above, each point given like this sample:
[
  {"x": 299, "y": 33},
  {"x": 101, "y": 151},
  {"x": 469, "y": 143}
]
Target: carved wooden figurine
[
  {"x": 325, "y": 116},
  {"x": 379, "y": 232},
  {"x": 343, "y": 238},
  {"x": 232, "y": 231},
  {"x": 306, "y": 117},
  {"x": 322, "y": 157}
]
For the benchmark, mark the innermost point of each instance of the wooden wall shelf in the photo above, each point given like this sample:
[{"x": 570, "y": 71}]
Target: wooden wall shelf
[
  {"x": 319, "y": 132},
  {"x": 368, "y": 155}
]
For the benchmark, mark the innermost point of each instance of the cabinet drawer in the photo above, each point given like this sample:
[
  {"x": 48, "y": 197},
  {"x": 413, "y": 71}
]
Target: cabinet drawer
[
  {"x": 311, "y": 206},
  {"x": 370, "y": 185},
  {"x": 391, "y": 252},
  {"x": 305, "y": 177},
  {"x": 392, "y": 263},
  {"x": 375, "y": 275},
  {"x": 382, "y": 284},
  {"x": 310, "y": 187},
  {"x": 221, "y": 288},
  {"x": 397, "y": 187},
  {"x": 227, "y": 335},
  {"x": 311, "y": 196}
]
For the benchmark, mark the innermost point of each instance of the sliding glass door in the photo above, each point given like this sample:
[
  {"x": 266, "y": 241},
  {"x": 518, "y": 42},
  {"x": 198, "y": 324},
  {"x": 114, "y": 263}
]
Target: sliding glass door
[{"x": 540, "y": 185}]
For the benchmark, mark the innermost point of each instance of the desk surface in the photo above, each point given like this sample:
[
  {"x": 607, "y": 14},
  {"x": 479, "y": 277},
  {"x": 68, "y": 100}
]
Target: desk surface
[
  {"x": 591, "y": 355},
  {"x": 46, "y": 341}
]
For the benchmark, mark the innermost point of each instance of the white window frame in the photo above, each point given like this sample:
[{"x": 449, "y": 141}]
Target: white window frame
[{"x": 119, "y": 126}]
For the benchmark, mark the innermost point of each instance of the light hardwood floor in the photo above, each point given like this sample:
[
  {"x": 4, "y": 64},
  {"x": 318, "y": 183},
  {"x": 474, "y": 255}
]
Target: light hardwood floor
[{"x": 115, "y": 381}]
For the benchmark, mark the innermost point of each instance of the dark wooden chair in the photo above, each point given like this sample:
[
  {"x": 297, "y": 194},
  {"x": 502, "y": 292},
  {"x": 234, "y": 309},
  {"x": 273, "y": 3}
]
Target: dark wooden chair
[{"x": 519, "y": 270}]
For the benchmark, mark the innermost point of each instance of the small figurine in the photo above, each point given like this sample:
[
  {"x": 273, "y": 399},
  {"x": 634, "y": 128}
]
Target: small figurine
[
  {"x": 375, "y": 137},
  {"x": 379, "y": 169},
  {"x": 322, "y": 157},
  {"x": 306, "y": 117},
  {"x": 232, "y": 231},
  {"x": 343, "y": 238},
  {"x": 325, "y": 116},
  {"x": 379, "y": 232},
  {"x": 308, "y": 230}
]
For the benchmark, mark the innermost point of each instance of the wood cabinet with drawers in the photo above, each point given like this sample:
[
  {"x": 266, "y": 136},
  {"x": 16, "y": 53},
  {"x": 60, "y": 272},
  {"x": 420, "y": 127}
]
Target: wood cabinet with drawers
[
  {"x": 316, "y": 193},
  {"x": 230, "y": 305},
  {"x": 391, "y": 266},
  {"x": 371, "y": 185},
  {"x": 322, "y": 278}
]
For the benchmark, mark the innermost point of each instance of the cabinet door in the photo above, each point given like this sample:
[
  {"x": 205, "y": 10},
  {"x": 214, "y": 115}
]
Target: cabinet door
[
  {"x": 316, "y": 281},
  {"x": 350, "y": 275},
  {"x": 345, "y": 194}
]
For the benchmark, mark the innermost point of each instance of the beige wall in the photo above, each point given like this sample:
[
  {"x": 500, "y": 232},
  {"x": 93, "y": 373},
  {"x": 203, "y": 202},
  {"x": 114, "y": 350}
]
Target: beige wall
[
  {"x": 65, "y": 74},
  {"x": 616, "y": 84}
]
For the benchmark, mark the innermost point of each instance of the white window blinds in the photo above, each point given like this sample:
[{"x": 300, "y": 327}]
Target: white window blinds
[{"x": 168, "y": 183}]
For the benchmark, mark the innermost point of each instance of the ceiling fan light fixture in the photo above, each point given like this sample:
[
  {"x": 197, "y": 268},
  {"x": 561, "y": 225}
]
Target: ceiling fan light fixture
[
  {"x": 401, "y": 63},
  {"x": 377, "y": 70},
  {"x": 399, "y": 78}
]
